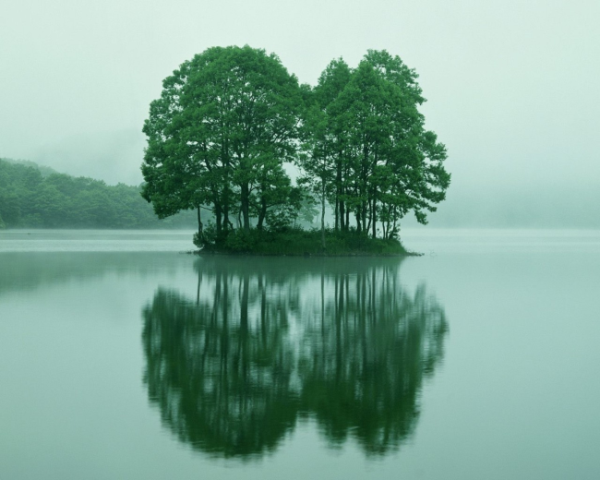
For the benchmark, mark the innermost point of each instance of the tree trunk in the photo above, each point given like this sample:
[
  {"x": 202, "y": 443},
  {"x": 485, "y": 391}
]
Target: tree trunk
[
  {"x": 226, "y": 200},
  {"x": 347, "y": 219},
  {"x": 323, "y": 216},
  {"x": 219, "y": 218},
  {"x": 200, "y": 226},
  {"x": 339, "y": 221},
  {"x": 226, "y": 221},
  {"x": 374, "y": 218},
  {"x": 261, "y": 215},
  {"x": 337, "y": 210},
  {"x": 245, "y": 204}
]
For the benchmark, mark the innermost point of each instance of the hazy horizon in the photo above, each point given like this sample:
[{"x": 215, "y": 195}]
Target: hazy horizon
[{"x": 511, "y": 87}]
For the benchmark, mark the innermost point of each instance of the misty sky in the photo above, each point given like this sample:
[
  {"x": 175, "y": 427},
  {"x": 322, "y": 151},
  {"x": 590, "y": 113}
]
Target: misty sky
[{"x": 512, "y": 86}]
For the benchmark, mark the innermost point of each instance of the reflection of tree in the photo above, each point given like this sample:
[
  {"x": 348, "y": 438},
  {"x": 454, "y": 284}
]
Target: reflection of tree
[
  {"x": 21, "y": 271},
  {"x": 265, "y": 342},
  {"x": 364, "y": 364},
  {"x": 222, "y": 383}
]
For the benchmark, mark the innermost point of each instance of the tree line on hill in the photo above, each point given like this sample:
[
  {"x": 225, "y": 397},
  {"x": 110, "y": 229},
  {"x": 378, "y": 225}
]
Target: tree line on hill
[
  {"x": 229, "y": 121},
  {"x": 38, "y": 197}
]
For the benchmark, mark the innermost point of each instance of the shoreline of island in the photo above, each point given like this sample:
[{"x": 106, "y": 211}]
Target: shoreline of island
[{"x": 303, "y": 243}]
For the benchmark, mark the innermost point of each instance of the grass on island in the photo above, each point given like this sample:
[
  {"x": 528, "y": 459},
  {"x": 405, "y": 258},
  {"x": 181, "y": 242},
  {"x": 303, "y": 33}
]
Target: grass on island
[{"x": 299, "y": 242}]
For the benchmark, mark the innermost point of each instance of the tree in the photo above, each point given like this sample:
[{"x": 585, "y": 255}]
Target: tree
[
  {"x": 229, "y": 120},
  {"x": 323, "y": 143},
  {"x": 411, "y": 158},
  {"x": 317, "y": 161},
  {"x": 225, "y": 121},
  {"x": 366, "y": 132}
]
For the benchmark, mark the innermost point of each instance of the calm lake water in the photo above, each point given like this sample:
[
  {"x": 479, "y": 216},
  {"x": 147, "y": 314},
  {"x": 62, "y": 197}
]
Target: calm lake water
[{"x": 122, "y": 358}]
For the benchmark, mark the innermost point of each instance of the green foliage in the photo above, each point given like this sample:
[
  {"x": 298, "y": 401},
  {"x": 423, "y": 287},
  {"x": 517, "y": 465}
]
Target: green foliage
[
  {"x": 366, "y": 148},
  {"x": 229, "y": 119},
  {"x": 308, "y": 211},
  {"x": 44, "y": 171},
  {"x": 219, "y": 134},
  {"x": 242, "y": 241},
  {"x": 295, "y": 241},
  {"x": 30, "y": 199}
]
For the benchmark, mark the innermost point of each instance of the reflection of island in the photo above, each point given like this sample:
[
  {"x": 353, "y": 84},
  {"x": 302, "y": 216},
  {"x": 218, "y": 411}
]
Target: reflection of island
[
  {"x": 28, "y": 271},
  {"x": 268, "y": 341}
]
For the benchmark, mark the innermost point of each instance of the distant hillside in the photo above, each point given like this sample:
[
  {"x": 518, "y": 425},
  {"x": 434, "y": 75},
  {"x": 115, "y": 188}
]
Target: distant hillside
[
  {"x": 45, "y": 171},
  {"x": 35, "y": 196},
  {"x": 32, "y": 196}
]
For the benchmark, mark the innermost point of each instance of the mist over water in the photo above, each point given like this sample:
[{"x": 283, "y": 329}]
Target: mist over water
[
  {"x": 123, "y": 357},
  {"x": 493, "y": 206}
]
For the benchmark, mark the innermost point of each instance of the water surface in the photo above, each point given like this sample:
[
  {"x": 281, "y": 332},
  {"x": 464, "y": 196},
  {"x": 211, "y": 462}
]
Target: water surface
[{"x": 121, "y": 357}]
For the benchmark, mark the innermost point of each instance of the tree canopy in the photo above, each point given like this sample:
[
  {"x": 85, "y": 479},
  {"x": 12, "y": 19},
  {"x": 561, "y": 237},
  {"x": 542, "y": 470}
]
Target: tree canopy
[
  {"x": 219, "y": 134},
  {"x": 38, "y": 197},
  {"x": 230, "y": 120}
]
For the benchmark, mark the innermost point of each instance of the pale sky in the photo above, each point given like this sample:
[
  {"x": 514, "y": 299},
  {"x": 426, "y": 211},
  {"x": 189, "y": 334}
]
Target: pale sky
[{"x": 513, "y": 87}]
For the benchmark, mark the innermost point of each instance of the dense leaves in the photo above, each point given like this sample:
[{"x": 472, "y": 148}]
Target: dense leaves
[
  {"x": 367, "y": 149},
  {"x": 29, "y": 198},
  {"x": 229, "y": 120},
  {"x": 219, "y": 135}
]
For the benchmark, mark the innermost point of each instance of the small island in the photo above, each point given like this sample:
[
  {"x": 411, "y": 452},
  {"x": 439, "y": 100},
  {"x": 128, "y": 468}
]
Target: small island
[
  {"x": 295, "y": 241},
  {"x": 258, "y": 156}
]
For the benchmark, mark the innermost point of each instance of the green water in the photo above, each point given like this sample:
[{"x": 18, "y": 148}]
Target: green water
[{"x": 122, "y": 358}]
